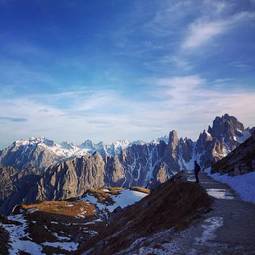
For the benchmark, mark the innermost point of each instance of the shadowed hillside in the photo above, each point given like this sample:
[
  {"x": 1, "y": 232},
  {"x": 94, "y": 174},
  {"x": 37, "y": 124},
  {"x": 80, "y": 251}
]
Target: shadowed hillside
[{"x": 169, "y": 206}]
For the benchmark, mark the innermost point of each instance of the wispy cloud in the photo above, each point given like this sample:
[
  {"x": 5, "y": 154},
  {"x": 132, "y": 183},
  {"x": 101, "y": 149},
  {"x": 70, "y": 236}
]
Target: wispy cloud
[
  {"x": 203, "y": 30},
  {"x": 12, "y": 119},
  {"x": 192, "y": 97},
  {"x": 169, "y": 103}
]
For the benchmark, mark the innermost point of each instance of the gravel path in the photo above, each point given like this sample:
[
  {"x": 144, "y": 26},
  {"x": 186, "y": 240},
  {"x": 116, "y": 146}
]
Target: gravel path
[{"x": 228, "y": 229}]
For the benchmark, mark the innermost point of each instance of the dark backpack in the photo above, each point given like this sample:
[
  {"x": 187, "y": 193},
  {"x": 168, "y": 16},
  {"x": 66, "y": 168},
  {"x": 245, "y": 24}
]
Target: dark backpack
[{"x": 197, "y": 168}]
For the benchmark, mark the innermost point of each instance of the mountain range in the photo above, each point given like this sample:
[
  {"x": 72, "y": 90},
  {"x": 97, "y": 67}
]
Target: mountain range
[{"x": 39, "y": 169}]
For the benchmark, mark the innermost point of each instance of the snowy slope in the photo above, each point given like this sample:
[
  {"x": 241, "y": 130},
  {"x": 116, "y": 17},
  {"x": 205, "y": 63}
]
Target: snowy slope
[
  {"x": 244, "y": 184},
  {"x": 123, "y": 199},
  {"x": 17, "y": 233}
]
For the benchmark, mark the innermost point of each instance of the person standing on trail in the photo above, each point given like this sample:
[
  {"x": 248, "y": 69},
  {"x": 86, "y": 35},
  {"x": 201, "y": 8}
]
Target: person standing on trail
[{"x": 197, "y": 169}]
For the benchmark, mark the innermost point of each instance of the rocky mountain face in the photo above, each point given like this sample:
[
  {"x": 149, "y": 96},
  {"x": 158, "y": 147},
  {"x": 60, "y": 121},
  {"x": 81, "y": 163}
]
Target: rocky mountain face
[
  {"x": 53, "y": 171},
  {"x": 225, "y": 135},
  {"x": 18, "y": 187},
  {"x": 239, "y": 161},
  {"x": 71, "y": 178},
  {"x": 39, "y": 153},
  {"x": 7, "y": 181},
  {"x": 141, "y": 164}
]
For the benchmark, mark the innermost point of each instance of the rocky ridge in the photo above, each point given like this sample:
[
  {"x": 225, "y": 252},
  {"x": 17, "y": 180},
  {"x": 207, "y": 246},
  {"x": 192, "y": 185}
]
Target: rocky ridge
[
  {"x": 64, "y": 171},
  {"x": 240, "y": 161}
]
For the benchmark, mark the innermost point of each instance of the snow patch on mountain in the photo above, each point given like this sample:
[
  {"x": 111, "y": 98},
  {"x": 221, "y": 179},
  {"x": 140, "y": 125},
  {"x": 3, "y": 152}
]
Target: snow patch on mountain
[
  {"x": 63, "y": 150},
  {"x": 123, "y": 199},
  {"x": 17, "y": 233},
  {"x": 243, "y": 135},
  {"x": 68, "y": 246}
]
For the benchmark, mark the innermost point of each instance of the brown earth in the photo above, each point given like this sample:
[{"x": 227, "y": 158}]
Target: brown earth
[
  {"x": 140, "y": 189},
  {"x": 65, "y": 208}
]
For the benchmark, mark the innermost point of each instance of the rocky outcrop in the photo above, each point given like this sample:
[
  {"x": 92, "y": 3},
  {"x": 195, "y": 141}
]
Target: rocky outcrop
[
  {"x": 115, "y": 173},
  {"x": 72, "y": 178},
  {"x": 239, "y": 161},
  {"x": 224, "y": 136},
  {"x": 186, "y": 147},
  {"x": 7, "y": 180},
  {"x": 161, "y": 173},
  {"x": 67, "y": 179},
  {"x": 172, "y": 153},
  {"x": 141, "y": 164},
  {"x": 21, "y": 187},
  {"x": 227, "y": 129}
]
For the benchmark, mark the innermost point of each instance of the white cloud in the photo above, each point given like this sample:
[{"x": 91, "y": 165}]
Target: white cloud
[
  {"x": 181, "y": 82},
  {"x": 201, "y": 32},
  {"x": 191, "y": 103},
  {"x": 185, "y": 103},
  {"x": 205, "y": 29}
]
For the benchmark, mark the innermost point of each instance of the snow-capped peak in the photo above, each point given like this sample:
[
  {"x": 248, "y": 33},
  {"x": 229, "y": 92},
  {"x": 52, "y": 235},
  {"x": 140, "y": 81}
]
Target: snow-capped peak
[
  {"x": 158, "y": 140},
  {"x": 121, "y": 143},
  {"x": 34, "y": 141}
]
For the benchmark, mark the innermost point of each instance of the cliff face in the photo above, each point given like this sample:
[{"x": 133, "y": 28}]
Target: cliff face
[
  {"x": 224, "y": 136},
  {"x": 7, "y": 180},
  {"x": 140, "y": 164},
  {"x": 239, "y": 161},
  {"x": 67, "y": 179},
  {"x": 72, "y": 178}
]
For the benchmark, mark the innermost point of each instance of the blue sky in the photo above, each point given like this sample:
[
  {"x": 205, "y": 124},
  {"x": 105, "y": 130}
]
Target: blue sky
[{"x": 107, "y": 70}]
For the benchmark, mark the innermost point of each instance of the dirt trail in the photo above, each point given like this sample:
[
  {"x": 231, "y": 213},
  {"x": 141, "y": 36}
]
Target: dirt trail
[{"x": 229, "y": 228}]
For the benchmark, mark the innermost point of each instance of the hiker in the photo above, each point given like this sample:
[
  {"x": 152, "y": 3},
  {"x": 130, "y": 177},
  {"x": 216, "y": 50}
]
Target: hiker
[{"x": 197, "y": 169}]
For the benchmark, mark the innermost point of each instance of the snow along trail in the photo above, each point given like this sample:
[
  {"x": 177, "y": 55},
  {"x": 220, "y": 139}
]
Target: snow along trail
[
  {"x": 229, "y": 228},
  {"x": 243, "y": 184}
]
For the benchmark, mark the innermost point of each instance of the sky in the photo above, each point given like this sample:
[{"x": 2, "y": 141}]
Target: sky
[{"x": 73, "y": 70}]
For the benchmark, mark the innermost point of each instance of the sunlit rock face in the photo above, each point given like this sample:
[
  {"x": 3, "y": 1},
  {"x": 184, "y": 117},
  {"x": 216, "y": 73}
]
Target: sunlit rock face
[{"x": 71, "y": 178}]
